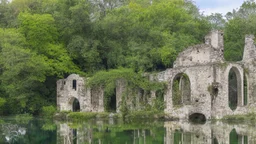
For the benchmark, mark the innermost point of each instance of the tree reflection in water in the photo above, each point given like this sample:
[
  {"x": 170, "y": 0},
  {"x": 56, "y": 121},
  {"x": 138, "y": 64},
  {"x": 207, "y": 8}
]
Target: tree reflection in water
[
  {"x": 13, "y": 132},
  {"x": 117, "y": 132},
  {"x": 153, "y": 132}
]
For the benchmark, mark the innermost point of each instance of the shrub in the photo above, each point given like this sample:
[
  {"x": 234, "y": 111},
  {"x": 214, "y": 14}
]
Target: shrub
[
  {"x": 48, "y": 111},
  {"x": 23, "y": 118}
]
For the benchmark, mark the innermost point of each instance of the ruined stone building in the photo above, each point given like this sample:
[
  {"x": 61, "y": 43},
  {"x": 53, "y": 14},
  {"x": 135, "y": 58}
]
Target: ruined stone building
[{"x": 200, "y": 84}]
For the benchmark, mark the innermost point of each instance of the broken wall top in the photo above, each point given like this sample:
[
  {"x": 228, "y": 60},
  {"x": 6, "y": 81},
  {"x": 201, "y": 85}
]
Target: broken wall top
[
  {"x": 249, "y": 49},
  {"x": 210, "y": 52}
]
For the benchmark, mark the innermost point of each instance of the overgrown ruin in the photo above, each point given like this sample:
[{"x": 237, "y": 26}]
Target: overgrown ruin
[{"x": 200, "y": 82}]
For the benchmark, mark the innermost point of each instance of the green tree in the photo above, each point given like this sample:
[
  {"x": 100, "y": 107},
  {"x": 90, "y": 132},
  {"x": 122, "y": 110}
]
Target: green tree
[
  {"x": 217, "y": 21},
  {"x": 23, "y": 71},
  {"x": 42, "y": 38},
  {"x": 147, "y": 37},
  {"x": 241, "y": 22}
]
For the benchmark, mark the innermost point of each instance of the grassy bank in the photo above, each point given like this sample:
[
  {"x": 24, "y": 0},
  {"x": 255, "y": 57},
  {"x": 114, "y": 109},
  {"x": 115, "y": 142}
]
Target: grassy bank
[
  {"x": 80, "y": 116},
  {"x": 245, "y": 118},
  {"x": 131, "y": 116}
]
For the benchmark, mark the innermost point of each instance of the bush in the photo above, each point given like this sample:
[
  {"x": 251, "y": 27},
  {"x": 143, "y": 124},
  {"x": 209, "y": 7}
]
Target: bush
[
  {"x": 2, "y": 101},
  {"x": 48, "y": 111}
]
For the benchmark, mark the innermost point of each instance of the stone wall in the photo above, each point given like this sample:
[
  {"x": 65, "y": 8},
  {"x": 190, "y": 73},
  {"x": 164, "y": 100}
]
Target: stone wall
[
  {"x": 74, "y": 87},
  {"x": 91, "y": 99}
]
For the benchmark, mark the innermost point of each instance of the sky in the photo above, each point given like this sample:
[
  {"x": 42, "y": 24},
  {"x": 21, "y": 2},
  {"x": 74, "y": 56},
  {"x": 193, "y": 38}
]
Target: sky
[{"x": 217, "y": 6}]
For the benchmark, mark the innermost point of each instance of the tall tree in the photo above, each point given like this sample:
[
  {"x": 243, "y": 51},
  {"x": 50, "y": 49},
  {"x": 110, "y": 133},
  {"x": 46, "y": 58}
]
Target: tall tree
[{"x": 241, "y": 22}]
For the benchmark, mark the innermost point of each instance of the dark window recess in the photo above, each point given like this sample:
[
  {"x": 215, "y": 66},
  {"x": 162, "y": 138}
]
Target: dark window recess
[{"x": 74, "y": 84}]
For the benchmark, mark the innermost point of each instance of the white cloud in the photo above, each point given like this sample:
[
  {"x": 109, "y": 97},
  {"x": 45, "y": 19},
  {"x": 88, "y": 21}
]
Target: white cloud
[
  {"x": 223, "y": 10},
  {"x": 218, "y": 6}
]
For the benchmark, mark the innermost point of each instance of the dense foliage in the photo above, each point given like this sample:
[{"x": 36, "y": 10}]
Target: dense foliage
[{"x": 42, "y": 41}]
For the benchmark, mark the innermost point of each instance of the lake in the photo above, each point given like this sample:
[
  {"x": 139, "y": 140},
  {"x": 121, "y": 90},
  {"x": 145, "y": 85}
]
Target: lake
[{"x": 111, "y": 131}]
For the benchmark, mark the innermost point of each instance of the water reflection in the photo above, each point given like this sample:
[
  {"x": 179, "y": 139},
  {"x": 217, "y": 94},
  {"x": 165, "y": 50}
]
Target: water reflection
[
  {"x": 218, "y": 133},
  {"x": 105, "y": 133},
  {"x": 117, "y": 132},
  {"x": 12, "y": 132},
  {"x": 171, "y": 133}
]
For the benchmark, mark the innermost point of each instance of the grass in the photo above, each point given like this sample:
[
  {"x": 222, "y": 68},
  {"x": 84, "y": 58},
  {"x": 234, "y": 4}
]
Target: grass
[
  {"x": 245, "y": 118},
  {"x": 145, "y": 115},
  {"x": 80, "y": 116},
  {"x": 133, "y": 115}
]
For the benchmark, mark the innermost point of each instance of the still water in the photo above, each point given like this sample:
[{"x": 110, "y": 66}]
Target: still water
[{"x": 111, "y": 131}]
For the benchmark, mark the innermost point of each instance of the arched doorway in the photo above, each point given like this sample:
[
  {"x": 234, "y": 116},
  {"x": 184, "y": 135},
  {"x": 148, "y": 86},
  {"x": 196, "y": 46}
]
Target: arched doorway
[
  {"x": 181, "y": 91},
  {"x": 110, "y": 100},
  {"x": 75, "y": 105},
  {"x": 234, "y": 88}
]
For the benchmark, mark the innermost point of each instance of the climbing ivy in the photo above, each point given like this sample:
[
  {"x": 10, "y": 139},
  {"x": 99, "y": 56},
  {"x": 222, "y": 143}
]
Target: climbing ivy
[
  {"x": 176, "y": 93},
  {"x": 108, "y": 79},
  {"x": 133, "y": 81}
]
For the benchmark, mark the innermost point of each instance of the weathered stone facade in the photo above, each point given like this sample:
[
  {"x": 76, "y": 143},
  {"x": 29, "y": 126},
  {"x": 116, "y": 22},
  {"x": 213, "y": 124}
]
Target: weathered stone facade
[
  {"x": 73, "y": 87},
  {"x": 204, "y": 83},
  {"x": 92, "y": 99},
  {"x": 208, "y": 75}
]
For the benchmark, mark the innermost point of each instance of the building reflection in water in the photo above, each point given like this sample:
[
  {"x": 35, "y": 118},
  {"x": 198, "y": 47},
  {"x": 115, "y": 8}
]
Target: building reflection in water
[
  {"x": 218, "y": 133},
  {"x": 171, "y": 133}
]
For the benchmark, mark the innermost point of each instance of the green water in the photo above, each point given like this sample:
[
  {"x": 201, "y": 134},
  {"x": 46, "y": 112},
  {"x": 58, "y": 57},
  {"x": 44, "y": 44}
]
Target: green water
[{"x": 111, "y": 131}]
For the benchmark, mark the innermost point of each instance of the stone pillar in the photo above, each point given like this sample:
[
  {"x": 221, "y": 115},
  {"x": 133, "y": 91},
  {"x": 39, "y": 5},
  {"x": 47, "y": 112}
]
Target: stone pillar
[
  {"x": 250, "y": 70},
  {"x": 249, "y": 48},
  {"x": 60, "y": 88},
  {"x": 120, "y": 91},
  {"x": 101, "y": 99},
  {"x": 152, "y": 97}
]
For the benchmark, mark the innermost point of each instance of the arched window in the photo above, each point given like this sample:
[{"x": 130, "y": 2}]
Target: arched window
[
  {"x": 245, "y": 91},
  {"x": 234, "y": 88},
  {"x": 74, "y": 84},
  {"x": 235, "y": 138},
  {"x": 181, "y": 91}
]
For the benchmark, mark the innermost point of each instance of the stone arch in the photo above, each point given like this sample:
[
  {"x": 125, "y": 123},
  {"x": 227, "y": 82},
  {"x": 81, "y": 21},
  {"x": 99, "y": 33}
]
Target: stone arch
[
  {"x": 110, "y": 101},
  {"x": 181, "y": 89},
  {"x": 234, "y": 88},
  {"x": 233, "y": 137},
  {"x": 197, "y": 118},
  {"x": 215, "y": 141},
  {"x": 74, "y": 104}
]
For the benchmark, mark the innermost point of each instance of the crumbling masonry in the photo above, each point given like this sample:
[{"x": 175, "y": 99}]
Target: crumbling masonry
[{"x": 201, "y": 83}]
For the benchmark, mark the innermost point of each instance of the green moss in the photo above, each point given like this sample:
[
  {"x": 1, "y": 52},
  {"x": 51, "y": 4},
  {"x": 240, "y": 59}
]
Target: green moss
[
  {"x": 246, "y": 71},
  {"x": 223, "y": 65}
]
